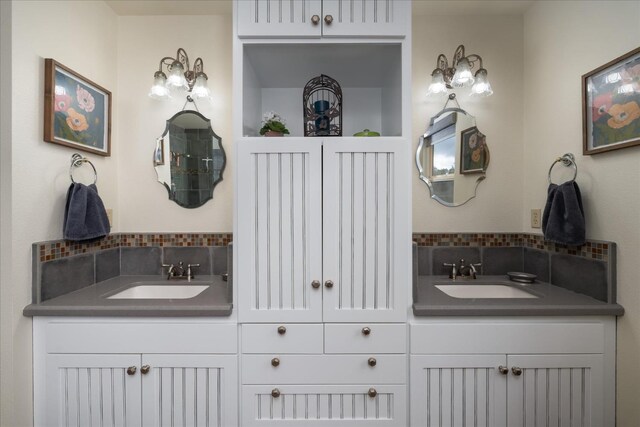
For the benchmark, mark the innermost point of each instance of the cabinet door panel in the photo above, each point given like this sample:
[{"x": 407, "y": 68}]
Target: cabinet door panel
[
  {"x": 279, "y": 242},
  {"x": 95, "y": 389},
  {"x": 366, "y": 231},
  {"x": 458, "y": 390},
  {"x": 556, "y": 390},
  {"x": 278, "y": 18},
  {"x": 190, "y": 390},
  {"x": 322, "y": 405},
  {"x": 367, "y": 17}
]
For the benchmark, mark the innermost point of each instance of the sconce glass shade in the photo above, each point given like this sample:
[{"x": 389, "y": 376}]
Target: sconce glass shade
[
  {"x": 159, "y": 89},
  {"x": 176, "y": 79},
  {"x": 200, "y": 89},
  {"x": 481, "y": 87},
  {"x": 437, "y": 85},
  {"x": 463, "y": 76}
]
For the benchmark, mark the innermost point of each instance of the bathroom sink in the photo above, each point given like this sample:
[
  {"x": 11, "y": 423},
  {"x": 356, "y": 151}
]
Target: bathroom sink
[
  {"x": 484, "y": 291},
  {"x": 149, "y": 291}
]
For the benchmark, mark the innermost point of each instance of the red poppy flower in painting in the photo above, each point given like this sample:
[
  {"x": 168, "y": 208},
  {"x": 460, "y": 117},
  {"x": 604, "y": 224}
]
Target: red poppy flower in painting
[
  {"x": 62, "y": 103},
  {"x": 601, "y": 105}
]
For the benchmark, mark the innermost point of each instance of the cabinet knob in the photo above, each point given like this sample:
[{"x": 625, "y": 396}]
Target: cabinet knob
[
  {"x": 275, "y": 393},
  {"x": 328, "y": 284},
  {"x": 328, "y": 19},
  {"x": 282, "y": 330},
  {"x": 372, "y": 392},
  {"x": 315, "y": 284},
  {"x": 366, "y": 330},
  {"x": 516, "y": 371},
  {"x": 275, "y": 362},
  {"x": 131, "y": 370},
  {"x": 503, "y": 370},
  {"x": 315, "y": 19},
  {"x": 144, "y": 369},
  {"x": 372, "y": 361}
]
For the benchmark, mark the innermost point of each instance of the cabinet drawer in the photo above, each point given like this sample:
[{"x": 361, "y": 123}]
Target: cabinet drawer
[
  {"x": 324, "y": 369},
  {"x": 271, "y": 338},
  {"x": 365, "y": 338},
  {"x": 322, "y": 405}
]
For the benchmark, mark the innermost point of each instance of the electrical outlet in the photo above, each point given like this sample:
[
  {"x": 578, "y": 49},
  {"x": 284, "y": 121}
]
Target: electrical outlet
[
  {"x": 536, "y": 218},
  {"x": 110, "y": 216}
]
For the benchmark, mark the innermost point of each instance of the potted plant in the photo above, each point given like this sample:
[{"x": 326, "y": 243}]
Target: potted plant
[{"x": 273, "y": 125}]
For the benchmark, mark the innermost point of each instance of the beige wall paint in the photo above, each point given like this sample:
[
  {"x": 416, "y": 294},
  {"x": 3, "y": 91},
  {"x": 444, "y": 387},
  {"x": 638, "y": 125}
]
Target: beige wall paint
[
  {"x": 499, "y": 40},
  {"x": 81, "y": 36},
  {"x": 564, "y": 40},
  {"x": 142, "y": 42}
]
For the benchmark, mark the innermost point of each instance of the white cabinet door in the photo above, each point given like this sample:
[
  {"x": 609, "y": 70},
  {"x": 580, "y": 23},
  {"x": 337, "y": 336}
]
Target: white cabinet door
[
  {"x": 323, "y": 405},
  {"x": 458, "y": 390},
  {"x": 278, "y": 18},
  {"x": 279, "y": 232},
  {"x": 374, "y": 18},
  {"x": 366, "y": 232},
  {"x": 91, "y": 390},
  {"x": 556, "y": 391},
  {"x": 190, "y": 390}
]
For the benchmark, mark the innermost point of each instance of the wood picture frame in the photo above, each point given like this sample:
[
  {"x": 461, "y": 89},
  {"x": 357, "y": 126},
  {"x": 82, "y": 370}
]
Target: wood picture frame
[
  {"x": 611, "y": 105},
  {"x": 77, "y": 111}
]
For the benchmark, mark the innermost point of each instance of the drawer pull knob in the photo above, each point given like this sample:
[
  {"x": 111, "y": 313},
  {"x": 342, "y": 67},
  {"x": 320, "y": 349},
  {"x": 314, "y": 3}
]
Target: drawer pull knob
[
  {"x": 144, "y": 369},
  {"x": 503, "y": 370},
  {"x": 372, "y": 361},
  {"x": 131, "y": 370},
  {"x": 366, "y": 331},
  {"x": 516, "y": 371},
  {"x": 328, "y": 19},
  {"x": 315, "y": 284},
  {"x": 328, "y": 284},
  {"x": 275, "y": 393},
  {"x": 282, "y": 330},
  {"x": 372, "y": 392},
  {"x": 275, "y": 362},
  {"x": 315, "y": 19}
]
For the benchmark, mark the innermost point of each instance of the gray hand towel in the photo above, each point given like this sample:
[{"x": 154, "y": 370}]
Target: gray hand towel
[
  {"x": 85, "y": 217},
  {"x": 563, "y": 218}
]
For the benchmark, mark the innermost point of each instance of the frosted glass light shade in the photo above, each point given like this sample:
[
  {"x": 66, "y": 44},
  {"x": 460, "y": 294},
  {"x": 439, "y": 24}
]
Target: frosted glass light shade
[
  {"x": 200, "y": 89},
  {"x": 481, "y": 87},
  {"x": 159, "y": 89},
  {"x": 437, "y": 85},
  {"x": 463, "y": 76},
  {"x": 176, "y": 79}
]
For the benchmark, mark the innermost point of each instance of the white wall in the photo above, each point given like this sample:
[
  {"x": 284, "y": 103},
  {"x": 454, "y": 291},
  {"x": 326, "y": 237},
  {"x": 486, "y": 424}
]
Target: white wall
[
  {"x": 498, "y": 40},
  {"x": 144, "y": 205},
  {"x": 81, "y": 36},
  {"x": 563, "y": 41}
]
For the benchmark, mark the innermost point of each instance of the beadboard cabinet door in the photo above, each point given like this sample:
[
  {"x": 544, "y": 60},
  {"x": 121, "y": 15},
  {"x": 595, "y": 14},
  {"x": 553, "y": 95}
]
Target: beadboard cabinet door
[
  {"x": 91, "y": 390},
  {"x": 366, "y": 18},
  {"x": 366, "y": 232},
  {"x": 279, "y": 233},
  {"x": 279, "y": 18}
]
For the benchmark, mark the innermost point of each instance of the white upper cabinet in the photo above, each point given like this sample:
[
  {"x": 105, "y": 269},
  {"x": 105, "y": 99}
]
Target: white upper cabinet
[{"x": 328, "y": 18}]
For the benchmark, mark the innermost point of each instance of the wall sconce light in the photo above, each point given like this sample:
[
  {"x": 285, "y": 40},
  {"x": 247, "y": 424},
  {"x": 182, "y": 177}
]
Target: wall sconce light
[
  {"x": 181, "y": 78},
  {"x": 460, "y": 74}
]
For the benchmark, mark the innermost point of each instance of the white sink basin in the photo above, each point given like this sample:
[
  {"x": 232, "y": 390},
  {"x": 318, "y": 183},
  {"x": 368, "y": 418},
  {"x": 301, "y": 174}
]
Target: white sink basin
[
  {"x": 160, "y": 292},
  {"x": 484, "y": 291}
]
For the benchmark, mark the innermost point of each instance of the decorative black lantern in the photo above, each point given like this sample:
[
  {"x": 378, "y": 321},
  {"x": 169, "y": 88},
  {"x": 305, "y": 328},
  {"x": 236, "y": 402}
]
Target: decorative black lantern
[{"x": 322, "y": 107}]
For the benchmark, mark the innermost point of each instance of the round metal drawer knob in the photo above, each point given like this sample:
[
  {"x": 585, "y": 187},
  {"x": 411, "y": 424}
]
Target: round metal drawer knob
[
  {"x": 275, "y": 393},
  {"x": 328, "y": 284},
  {"x": 328, "y": 19},
  {"x": 372, "y": 362},
  {"x": 315, "y": 19},
  {"x": 503, "y": 370},
  {"x": 516, "y": 371},
  {"x": 315, "y": 284},
  {"x": 131, "y": 370},
  {"x": 275, "y": 362},
  {"x": 282, "y": 330},
  {"x": 366, "y": 331},
  {"x": 372, "y": 392},
  {"x": 145, "y": 369}
]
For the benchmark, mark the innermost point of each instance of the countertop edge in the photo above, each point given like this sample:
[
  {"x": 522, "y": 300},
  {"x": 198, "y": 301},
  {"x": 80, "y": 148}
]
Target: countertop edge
[
  {"x": 560, "y": 310},
  {"x": 224, "y": 310}
]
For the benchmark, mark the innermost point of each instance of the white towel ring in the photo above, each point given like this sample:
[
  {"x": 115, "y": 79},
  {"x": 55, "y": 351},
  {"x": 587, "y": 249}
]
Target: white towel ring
[
  {"x": 76, "y": 161},
  {"x": 567, "y": 159}
]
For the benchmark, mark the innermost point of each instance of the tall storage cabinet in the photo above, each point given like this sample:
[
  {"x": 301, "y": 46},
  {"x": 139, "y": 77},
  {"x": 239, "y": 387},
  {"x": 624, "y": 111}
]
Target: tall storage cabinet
[{"x": 322, "y": 224}]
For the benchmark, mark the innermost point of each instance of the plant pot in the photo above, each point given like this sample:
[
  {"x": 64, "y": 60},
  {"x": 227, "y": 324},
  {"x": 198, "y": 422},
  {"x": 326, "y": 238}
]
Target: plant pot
[{"x": 273, "y": 133}]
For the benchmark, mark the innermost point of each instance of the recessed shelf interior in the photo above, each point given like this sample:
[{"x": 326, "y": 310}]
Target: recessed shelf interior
[{"x": 274, "y": 76}]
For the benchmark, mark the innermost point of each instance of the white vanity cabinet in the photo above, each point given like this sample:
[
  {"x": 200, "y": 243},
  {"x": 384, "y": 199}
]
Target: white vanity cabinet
[
  {"x": 134, "y": 372},
  {"x": 323, "y": 18},
  {"x": 516, "y": 373}
]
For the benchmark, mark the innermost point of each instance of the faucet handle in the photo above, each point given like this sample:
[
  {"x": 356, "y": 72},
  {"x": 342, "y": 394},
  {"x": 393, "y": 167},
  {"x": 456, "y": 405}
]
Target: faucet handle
[
  {"x": 454, "y": 271},
  {"x": 189, "y": 273}
]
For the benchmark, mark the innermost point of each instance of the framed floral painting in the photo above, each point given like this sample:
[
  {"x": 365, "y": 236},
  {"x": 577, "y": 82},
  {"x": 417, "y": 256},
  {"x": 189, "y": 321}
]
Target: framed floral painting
[
  {"x": 474, "y": 156},
  {"x": 611, "y": 105},
  {"x": 77, "y": 112}
]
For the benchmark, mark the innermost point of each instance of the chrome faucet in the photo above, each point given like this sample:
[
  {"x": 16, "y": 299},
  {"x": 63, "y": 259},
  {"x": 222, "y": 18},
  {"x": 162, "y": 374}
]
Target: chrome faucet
[
  {"x": 468, "y": 270},
  {"x": 179, "y": 272}
]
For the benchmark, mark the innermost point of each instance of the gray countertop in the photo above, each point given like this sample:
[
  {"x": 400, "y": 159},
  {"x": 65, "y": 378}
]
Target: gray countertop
[
  {"x": 552, "y": 300},
  {"x": 93, "y": 301}
]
